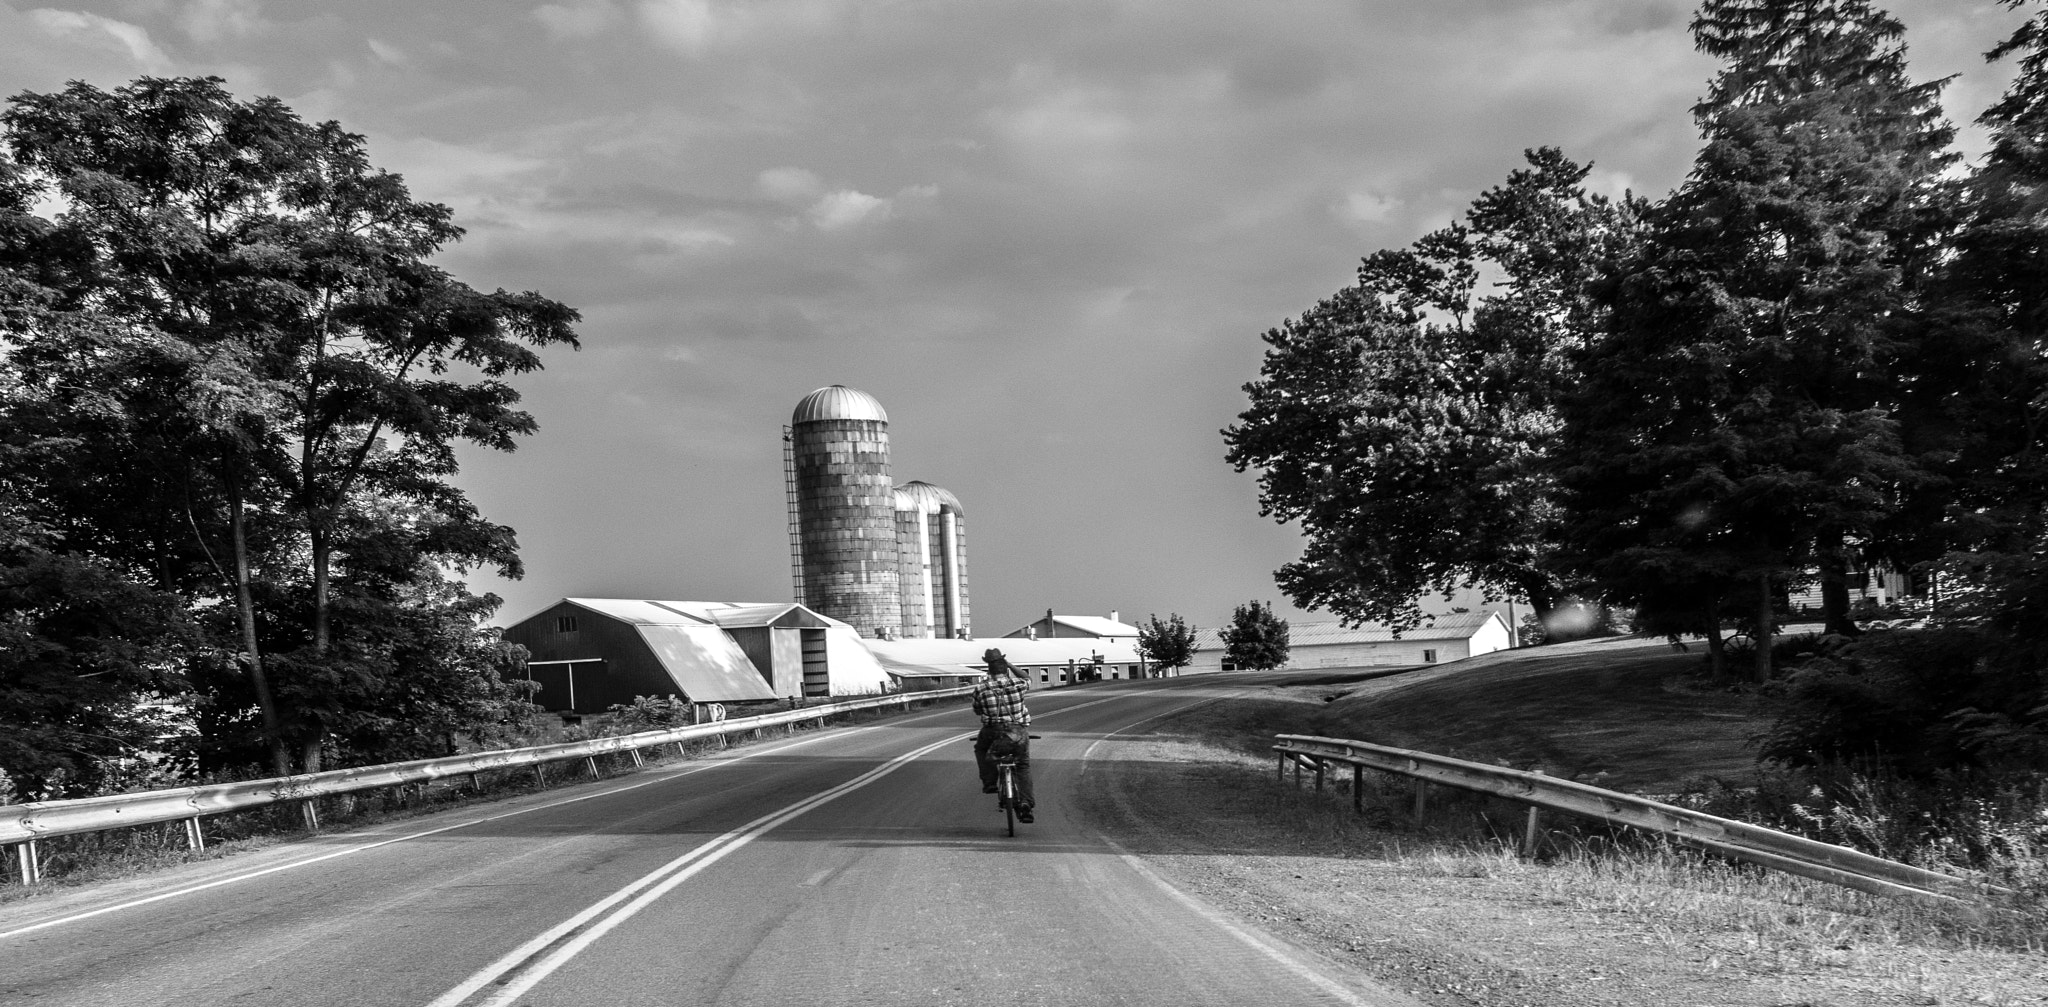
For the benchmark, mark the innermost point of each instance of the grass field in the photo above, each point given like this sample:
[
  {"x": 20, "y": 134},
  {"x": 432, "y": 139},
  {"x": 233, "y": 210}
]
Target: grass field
[
  {"x": 1626, "y": 714},
  {"x": 1441, "y": 908}
]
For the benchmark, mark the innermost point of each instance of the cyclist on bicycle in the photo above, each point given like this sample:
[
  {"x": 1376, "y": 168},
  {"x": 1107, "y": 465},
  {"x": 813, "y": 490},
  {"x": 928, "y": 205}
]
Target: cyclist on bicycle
[{"x": 1005, "y": 729}]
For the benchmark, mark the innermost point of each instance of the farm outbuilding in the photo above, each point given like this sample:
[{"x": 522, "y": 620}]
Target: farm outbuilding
[
  {"x": 1092, "y": 627},
  {"x": 589, "y": 654},
  {"x": 1044, "y": 663},
  {"x": 1439, "y": 639}
]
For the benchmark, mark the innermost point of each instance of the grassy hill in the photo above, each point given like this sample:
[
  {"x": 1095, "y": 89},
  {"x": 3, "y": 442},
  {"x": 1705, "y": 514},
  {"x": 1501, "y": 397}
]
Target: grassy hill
[{"x": 1625, "y": 714}]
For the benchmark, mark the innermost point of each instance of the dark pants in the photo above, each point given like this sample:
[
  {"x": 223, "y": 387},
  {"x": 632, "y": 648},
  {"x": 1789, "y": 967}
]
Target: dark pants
[{"x": 1020, "y": 745}]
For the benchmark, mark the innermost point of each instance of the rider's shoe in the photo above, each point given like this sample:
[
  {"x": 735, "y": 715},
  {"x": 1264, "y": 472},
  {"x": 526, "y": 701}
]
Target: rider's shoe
[
  {"x": 1024, "y": 815},
  {"x": 989, "y": 789}
]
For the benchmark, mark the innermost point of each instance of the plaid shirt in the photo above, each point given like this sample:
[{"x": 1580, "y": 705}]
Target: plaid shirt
[{"x": 1000, "y": 700}]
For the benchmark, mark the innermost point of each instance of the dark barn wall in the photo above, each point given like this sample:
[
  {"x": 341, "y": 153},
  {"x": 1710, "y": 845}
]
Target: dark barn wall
[
  {"x": 777, "y": 654},
  {"x": 629, "y": 669}
]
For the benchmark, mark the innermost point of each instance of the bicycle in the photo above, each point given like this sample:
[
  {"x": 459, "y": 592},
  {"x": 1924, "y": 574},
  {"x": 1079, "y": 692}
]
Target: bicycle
[{"x": 1006, "y": 788}]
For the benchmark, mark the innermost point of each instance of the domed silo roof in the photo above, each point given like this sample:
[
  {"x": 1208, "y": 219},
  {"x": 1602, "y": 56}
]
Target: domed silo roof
[
  {"x": 918, "y": 495},
  {"x": 838, "y": 402}
]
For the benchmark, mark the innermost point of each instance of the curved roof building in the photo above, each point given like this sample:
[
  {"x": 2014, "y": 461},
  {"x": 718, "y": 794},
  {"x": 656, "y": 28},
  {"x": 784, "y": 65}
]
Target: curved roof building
[{"x": 838, "y": 402}]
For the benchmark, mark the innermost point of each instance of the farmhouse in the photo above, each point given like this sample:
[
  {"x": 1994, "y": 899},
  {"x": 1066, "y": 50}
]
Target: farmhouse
[{"x": 1334, "y": 645}]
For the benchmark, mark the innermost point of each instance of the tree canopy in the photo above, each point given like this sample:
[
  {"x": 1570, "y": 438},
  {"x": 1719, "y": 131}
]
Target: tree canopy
[
  {"x": 1405, "y": 421},
  {"x": 248, "y": 381},
  {"x": 1169, "y": 644},
  {"x": 1256, "y": 638}
]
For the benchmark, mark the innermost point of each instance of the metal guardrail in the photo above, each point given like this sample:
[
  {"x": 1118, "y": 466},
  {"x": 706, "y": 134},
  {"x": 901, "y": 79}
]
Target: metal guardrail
[
  {"x": 1742, "y": 840},
  {"x": 23, "y": 824}
]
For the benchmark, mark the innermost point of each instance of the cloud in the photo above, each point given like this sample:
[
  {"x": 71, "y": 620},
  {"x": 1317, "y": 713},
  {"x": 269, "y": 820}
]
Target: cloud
[
  {"x": 687, "y": 25},
  {"x": 789, "y": 185},
  {"x": 208, "y": 21},
  {"x": 695, "y": 26},
  {"x": 1366, "y": 208},
  {"x": 387, "y": 52},
  {"x": 846, "y": 207},
  {"x": 578, "y": 20},
  {"x": 104, "y": 34}
]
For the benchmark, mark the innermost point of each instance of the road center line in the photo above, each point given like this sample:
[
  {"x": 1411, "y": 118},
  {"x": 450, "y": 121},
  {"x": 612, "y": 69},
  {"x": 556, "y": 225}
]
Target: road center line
[
  {"x": 689, "y": 770},
  {"x": 533, "y": 961},
  {"x": 466, "y": 823},
  {"x": 538, "y": 958}
]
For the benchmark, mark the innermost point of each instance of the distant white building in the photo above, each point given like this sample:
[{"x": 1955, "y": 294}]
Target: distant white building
[
  {"x": 1333, "y": 645},
  {"x": 1044, "y": 663},
  {"x": 1060, "y": 627}
]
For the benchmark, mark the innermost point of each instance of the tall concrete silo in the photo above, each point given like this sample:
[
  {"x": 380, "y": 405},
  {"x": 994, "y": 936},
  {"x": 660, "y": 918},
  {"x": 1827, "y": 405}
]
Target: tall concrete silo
[
  {"x": 843, "y": 509},
  {"x": 931, "y": 541}
]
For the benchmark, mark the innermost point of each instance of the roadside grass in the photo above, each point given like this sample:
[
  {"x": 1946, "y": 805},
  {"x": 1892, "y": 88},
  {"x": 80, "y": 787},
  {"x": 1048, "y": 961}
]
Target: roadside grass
[
  {"x": 95, "y": 857},
  {"x": 1635, "y": 902},
  {"x": 1625, "y": 714}
]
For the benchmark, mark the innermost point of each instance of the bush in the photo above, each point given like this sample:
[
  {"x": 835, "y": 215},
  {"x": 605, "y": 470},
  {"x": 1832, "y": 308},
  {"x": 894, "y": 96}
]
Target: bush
[{"x": 1916, "y": 702}]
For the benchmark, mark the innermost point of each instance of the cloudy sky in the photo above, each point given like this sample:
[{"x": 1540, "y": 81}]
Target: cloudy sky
[{"x": 1046, "y": 235}]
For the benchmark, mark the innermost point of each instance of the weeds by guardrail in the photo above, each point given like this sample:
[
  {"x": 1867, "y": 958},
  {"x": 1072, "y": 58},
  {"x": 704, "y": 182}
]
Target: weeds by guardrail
[
  {"x": 22, "y": 825},
  {"x": 1741, "y": 840}
]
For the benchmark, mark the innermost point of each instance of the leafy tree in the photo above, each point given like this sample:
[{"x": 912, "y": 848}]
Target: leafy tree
[
  {"x": 253, "y": 321},
  {"x": 1405, "y": 421},
  {"x": 1169, "y": 644},
  {"x": 1255, "y": 638},
  {"x": 1737, "y": 421}
]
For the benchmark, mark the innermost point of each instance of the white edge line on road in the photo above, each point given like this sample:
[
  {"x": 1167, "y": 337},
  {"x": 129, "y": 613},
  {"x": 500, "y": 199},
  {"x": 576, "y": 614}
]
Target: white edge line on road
[
  {"x": 661, "y": 778},
  {"x": 1286, "y": 959},
  {"x": 684, "y": 868},
  {"x": 668, "y": 876}
]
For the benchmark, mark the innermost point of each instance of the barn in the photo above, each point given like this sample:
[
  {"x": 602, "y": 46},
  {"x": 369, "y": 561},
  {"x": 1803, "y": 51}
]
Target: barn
[
  {"x": 1439, "y": 639},
  {"x": 589, "y": 654}
]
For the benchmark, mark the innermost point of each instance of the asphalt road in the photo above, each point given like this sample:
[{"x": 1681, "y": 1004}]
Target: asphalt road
[{"x": 853, "y": 866}]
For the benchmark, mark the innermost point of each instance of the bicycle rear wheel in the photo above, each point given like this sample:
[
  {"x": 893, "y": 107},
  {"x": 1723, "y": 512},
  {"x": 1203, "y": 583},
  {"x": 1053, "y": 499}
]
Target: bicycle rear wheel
[{"x": 1005, "y": 784}]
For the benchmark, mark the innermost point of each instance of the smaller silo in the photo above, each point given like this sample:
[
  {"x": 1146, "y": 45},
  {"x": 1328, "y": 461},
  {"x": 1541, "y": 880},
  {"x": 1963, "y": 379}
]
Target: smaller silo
[{"x": 931, "y": 542}]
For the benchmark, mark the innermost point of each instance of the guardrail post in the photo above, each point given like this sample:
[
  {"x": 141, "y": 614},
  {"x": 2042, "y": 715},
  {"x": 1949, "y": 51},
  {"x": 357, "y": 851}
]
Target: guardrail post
[
  {"x": 680, "y": 753},
  {"x": 540, "y": 776},
  {"x": 1357, "y": 787},
  {"x": 637, "y": 761},
  {"x": 1297, "y": 772},
  {"x": 1319, "y": 774},
  {"x": 1421, "y": 797},
  {"x": 590, "y": 762},
  {"x": 476, "y": 783},
  {"x": 1529, "y": 844},
  {"x": 1281, "y": 769},
  {"x": 195, "y": 838},
  {"x": 310, "y": 814},
  {"x": 31, "y": 871}
]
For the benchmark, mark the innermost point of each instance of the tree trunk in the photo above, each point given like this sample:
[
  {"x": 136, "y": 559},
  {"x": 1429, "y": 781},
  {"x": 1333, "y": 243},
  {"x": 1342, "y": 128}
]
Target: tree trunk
[
  {"x": 245, "y": 613},
  {"x": 1542, "y": 601},
  {"x": 309, "y": 753},
  {"x": 1764, "y": 618},
  {"x": 1834, "y": 592},
  {"x": 1717, "y": 651}
]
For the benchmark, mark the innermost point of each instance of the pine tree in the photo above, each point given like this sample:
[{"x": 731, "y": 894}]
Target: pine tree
[{"x": 1738, "y": 417}]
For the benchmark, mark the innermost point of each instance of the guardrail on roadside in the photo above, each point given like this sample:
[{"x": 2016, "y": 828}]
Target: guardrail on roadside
[
  {"x": 1742, "y": 840},
  {"x": 21, "y": 825}
]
